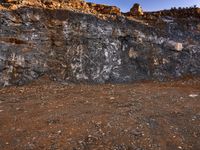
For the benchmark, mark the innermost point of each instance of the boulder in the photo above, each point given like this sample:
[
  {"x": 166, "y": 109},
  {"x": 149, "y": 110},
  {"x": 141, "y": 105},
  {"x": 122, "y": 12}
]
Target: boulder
[{"x": 136, "y": 10}]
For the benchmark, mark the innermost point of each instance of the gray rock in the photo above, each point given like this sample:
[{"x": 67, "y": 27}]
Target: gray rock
[{"x": 76, "y": 47}]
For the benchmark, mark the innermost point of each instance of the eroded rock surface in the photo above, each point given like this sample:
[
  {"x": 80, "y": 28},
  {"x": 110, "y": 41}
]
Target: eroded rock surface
[
  {"x": 72, "y": 44},
  {"x": 104, "y": 9}
]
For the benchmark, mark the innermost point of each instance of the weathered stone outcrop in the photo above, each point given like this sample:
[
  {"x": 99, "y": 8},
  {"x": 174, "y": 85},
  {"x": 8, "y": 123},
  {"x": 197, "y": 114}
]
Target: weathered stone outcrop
[
  {"x": 136, "y": 10},
  {"x": 104, "y": 9},
  {"x": 72, "y": 46}
]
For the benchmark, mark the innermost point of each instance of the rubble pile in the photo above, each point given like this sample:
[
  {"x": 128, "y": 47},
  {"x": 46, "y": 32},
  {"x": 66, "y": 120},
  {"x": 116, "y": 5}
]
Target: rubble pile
[{"x": 67, "y": 41}]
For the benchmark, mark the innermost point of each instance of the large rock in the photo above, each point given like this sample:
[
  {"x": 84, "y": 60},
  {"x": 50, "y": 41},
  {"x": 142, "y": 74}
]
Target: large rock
[{"x": 136, "y": 9}]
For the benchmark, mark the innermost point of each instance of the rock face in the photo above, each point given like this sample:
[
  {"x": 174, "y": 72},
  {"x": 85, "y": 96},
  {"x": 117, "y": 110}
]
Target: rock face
[{"x": 72, "y": 46}]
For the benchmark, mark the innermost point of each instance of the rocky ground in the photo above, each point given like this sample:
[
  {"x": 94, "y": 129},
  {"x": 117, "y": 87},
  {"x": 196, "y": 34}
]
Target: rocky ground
[{"x": 135, "y": 116}]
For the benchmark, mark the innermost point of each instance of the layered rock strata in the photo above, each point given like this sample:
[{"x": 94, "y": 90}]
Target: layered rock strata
[{"x": 72, "y": 44}]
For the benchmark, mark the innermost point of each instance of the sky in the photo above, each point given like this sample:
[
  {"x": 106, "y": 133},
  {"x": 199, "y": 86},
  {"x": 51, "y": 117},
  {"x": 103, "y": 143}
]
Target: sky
[{"x": 148, "y": 5}]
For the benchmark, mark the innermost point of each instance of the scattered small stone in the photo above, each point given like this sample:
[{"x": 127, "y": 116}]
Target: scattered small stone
[
  {"x": 21, "y": 90},
  {"x": 112, "y": 98},
  {"x": 133, "y": 54},
  {"x": 86, "y": 102},
  {"x": 18, "y": 109},
  {"x": 179, "y": 147},
  {"x": 59, "y": 132},
  {"x": 193, "y": 95},
  {"x": 174, "y": 45},
  {"x": 179, "y": 46},
  {"x": 136, "y": 133},
  {"x": 194, "y": 118},
  {"x": 1, "y": 111}
]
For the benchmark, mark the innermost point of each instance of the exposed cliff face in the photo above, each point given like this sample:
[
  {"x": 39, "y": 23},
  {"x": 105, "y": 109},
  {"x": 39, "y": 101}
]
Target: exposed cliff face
[{"x": 72, "y": 46}]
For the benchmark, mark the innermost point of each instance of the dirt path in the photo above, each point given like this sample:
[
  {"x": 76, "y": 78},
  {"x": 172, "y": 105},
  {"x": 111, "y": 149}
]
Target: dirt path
[{"x": 139, "y": 116}]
